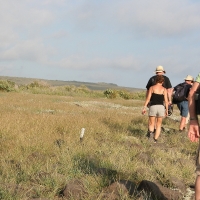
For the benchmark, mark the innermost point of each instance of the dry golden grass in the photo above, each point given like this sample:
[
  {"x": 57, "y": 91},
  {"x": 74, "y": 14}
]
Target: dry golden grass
[{"x": 41, "y": 149}]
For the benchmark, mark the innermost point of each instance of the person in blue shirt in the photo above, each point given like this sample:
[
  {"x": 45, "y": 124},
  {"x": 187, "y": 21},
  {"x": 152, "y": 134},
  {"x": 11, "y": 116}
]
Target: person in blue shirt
[{"x": 183, "y": 105}]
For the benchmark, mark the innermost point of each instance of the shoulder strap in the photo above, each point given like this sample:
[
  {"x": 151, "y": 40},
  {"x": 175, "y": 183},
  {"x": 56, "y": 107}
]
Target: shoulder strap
[{"x": 180, "y": 84}]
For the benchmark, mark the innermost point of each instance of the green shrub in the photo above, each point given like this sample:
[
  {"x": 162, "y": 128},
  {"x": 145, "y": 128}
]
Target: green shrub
[
  {"x": 139, "y": 95},
  {"x": 125, "y": 95},
  {"x": 38, "y": 84},
  {"x": 111, "y": 94},
  {"x": 7, "y": 86},
  {"x": 39, "y": 87}
]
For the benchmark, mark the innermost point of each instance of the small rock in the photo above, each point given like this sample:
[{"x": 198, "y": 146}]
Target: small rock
[{"x": 74, "y": 190}]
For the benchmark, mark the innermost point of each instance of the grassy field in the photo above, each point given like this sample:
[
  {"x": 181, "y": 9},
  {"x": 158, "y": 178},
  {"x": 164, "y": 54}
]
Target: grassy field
[{"x": 41, "y": 149}]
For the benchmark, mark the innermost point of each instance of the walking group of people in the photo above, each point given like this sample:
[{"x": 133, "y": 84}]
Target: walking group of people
[{"x": 159, "y": 97}]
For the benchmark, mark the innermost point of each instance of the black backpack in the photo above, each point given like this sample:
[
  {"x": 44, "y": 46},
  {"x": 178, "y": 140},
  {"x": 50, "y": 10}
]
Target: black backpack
[{"x": 180, "y": 92}]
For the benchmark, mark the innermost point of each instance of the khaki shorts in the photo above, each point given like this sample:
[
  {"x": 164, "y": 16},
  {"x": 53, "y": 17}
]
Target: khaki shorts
[{"x": 157, "y": 111}]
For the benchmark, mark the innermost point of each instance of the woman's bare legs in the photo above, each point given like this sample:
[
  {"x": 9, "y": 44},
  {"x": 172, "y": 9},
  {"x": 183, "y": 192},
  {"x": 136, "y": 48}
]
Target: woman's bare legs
[
  {"x": 152, "y": 123},
  {"x": 158, "y": 127}
]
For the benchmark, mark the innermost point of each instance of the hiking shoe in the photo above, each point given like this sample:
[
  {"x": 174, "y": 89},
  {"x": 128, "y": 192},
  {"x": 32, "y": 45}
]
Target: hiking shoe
[
  {"x": 155, "y": 140},
  {"x": 149, "y": 134}
]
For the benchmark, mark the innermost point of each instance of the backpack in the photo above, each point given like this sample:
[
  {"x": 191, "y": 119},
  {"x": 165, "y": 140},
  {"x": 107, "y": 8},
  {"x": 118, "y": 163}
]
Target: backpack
[{"x": 180, "y": 93}]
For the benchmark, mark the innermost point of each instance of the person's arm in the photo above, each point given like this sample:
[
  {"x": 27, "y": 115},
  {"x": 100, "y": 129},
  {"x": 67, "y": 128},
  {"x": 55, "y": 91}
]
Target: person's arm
[
  {"x": 147, "y": 100},
  {"x": 191, "y": 100},
  {"x": 166, "y": 101},
  {"x": 169, "y": 95},
  {"x": 193, "y": 132},
  {"x": 169, "y": 88}
]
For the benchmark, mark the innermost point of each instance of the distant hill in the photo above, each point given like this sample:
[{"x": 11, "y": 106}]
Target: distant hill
[{"x": 91, "y": 86}]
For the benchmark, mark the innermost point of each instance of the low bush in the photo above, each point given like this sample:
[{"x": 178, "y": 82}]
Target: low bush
[
  {"x": 7, "y": 86},
  {"x": 38, "y": 84},
  {"x": 112, "y": 94}
]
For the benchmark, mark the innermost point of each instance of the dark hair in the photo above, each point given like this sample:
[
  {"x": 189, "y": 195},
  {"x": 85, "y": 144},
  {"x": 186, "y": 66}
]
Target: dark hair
[{"x": 159, "y": 79}]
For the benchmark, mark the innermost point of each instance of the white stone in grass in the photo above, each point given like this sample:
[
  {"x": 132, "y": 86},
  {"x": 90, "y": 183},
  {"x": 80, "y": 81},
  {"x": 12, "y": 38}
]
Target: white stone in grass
[{"x": 82, "y": 133}]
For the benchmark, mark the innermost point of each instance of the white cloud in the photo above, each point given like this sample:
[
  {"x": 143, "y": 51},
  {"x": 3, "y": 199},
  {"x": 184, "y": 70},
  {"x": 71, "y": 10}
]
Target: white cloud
[
  {"x": 60, "y": 34},
  {"x": 23, "y": 14},
  {"x": 22, "y": 20},
  {"x": 81, "y": 62},
  {"x": 155, "y": 18},
  {"x": 33, "y": 50},
  {"x": 160, "y": 18},
  {"x": 7, "y": 38}
]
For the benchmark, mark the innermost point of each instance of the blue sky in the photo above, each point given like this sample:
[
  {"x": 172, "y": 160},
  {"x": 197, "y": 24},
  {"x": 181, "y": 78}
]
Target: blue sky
[{"x": 111, "y": 41}]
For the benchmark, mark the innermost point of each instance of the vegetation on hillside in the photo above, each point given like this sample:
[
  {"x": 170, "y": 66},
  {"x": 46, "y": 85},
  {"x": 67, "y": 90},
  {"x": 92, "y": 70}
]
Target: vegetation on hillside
[
  {"x": 92, "y": 86},
  {"x": 41, "y": 87}
]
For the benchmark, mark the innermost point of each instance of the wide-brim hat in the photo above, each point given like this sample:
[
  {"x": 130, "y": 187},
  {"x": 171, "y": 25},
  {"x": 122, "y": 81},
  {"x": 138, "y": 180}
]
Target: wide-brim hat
[
  {"x": 189, "y": 78},
  {"x": 159, "y": 69}
]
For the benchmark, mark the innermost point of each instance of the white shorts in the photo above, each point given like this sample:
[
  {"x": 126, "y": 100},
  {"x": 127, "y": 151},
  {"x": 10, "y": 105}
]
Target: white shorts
[{"x": 157, "y": 111}]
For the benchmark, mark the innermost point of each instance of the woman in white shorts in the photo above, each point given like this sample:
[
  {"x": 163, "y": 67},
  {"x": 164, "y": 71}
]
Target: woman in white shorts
[{"x": 157, "y": 97}]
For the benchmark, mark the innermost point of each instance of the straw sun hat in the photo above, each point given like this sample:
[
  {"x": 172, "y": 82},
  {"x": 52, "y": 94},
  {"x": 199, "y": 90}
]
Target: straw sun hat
[
  {"x": 160, "y": 69},
  {"x": 189, "y": 78}
]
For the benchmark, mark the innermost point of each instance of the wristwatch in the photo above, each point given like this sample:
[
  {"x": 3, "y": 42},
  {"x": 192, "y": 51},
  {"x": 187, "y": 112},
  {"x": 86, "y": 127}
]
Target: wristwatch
[{"x": 193, "y": 118}]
